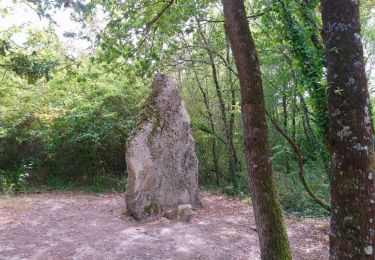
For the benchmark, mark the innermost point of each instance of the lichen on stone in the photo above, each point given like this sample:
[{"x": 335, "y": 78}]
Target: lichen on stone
[{"x": 163, "y": 166}]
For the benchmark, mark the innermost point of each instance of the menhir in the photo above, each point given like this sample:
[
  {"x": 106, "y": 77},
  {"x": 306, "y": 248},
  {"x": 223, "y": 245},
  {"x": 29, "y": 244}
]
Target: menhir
[{"x": 160, "y": 156}]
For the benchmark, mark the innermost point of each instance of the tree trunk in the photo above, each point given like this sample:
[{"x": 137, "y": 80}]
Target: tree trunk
[
  {"x": 353, "y": 199},
  {"x": 308, "y": 57},
  {"x": 236, "y": 162},
  {"x": 294, "y": 117},
  {"x": 215, "y": 157},
  {"x": 285, "y": 124},
  {"x": 312, "y": 138},
  {"x": 233, "y": 160},
  {"x": 307, "y": 8},
  {"x": 268, "y": 215}
]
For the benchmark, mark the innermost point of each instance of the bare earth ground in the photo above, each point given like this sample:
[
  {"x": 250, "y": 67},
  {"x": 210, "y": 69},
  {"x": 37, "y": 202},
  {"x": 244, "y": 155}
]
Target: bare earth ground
[{"x": 88, "y": 226}]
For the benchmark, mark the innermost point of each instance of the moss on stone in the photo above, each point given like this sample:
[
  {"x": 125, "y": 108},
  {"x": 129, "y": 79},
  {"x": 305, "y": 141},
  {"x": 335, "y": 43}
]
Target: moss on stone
[
  {"x": 147, "y": 114},
  {"x": 152, "y": 209}
]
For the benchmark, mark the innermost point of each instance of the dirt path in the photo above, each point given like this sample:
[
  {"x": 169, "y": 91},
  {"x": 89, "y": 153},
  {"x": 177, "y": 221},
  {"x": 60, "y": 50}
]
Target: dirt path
[{"x": 86, "y": 226}]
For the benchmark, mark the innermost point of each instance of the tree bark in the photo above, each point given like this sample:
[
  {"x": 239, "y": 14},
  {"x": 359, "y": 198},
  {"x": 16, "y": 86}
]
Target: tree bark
[
  {"x": 352, "y": 194},
  {"x": 268, "y": 214}
]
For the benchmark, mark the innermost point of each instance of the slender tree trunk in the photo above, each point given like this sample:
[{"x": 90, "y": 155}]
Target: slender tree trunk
[
  {"x": 236, "y": 161},
  {"x": 313, "y": 139},
  {"x": 233, "y": 161},
  {"x": 353, "y": 184},
  {"x": 215, "y": 157},
  {"x": 309, "y": 58},
  {"x": 307, "y": 8},
  {"x": 298, "y": 154},
  {"x": 304, "y": 125},
  {"x": 294, "y": 107},
  {"x": 285, "y": 124},
  {"x": 268, "y": 214}
]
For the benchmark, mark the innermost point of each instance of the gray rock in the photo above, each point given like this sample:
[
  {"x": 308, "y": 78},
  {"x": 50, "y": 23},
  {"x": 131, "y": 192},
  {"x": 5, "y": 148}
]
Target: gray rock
[{"x": 160, "y": 156}]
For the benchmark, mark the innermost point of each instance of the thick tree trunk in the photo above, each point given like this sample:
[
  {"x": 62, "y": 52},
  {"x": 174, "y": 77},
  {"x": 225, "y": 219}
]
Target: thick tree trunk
[
  {"x": 353, "y": 184},
  {"x": 268, "y": 215}
]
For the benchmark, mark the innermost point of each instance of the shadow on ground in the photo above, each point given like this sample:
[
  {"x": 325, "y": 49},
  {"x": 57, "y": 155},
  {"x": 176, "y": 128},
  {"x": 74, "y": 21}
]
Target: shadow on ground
[{"x": 87, "y": 226}]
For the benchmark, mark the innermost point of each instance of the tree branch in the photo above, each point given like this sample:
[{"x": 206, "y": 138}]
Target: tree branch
[{"x": 298, "y": 153}]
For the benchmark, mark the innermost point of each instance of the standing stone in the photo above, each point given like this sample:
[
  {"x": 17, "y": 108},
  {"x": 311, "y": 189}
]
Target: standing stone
[{"x": 160, "y": 156}]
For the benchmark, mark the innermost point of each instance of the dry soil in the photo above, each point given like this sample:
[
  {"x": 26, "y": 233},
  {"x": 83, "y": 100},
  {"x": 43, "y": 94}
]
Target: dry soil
[{"x": 89, "y": 226}]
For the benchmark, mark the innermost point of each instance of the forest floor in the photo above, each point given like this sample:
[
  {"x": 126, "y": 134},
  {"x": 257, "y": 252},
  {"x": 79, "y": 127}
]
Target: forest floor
[{"x": 89, "y": 226}]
